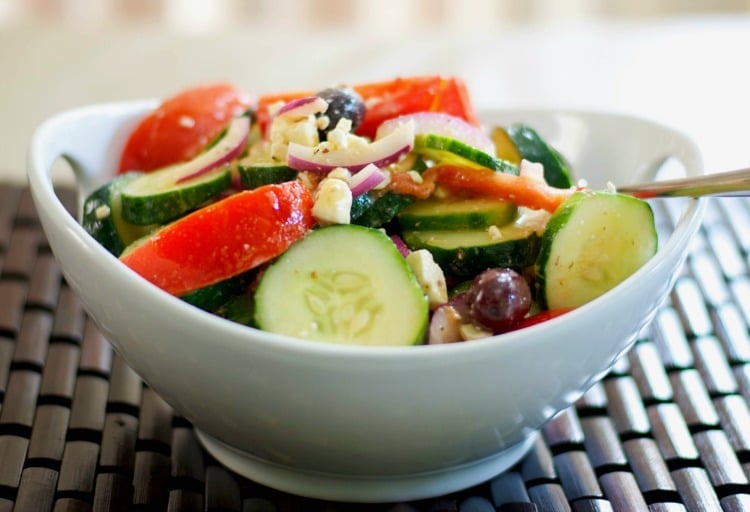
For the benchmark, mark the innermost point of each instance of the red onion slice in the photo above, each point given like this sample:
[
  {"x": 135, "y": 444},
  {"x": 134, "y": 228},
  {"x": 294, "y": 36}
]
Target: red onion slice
[
  {"x": 303, "y": 107},
  {"x": 401, "y": 245},
  {"x": 366, "y": 179},
  {"x": 446, "y": 125},
  {"x": 229, "y": 147},
  {"x": 381, "y": 152}
]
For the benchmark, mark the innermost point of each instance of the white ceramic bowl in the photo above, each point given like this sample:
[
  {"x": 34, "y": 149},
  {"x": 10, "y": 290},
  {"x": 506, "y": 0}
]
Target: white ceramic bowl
[{"x": 362, "y": 423}]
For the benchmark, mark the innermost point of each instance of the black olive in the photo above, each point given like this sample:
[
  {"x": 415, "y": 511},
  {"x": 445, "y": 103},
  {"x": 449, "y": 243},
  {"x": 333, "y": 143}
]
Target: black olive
[{"x": 343, "y": 103}]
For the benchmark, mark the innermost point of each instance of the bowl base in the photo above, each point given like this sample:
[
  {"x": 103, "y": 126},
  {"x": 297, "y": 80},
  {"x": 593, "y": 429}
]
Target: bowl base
[{"x": 365, "y": 488}]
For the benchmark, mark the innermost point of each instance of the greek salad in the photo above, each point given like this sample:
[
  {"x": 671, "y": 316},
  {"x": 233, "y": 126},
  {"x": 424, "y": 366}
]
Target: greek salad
[{"x": 376, "y": 214}]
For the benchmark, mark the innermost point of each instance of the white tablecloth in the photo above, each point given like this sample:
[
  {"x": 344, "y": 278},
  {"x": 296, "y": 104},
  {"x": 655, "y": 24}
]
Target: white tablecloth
[{"x": 691, "y": 73}]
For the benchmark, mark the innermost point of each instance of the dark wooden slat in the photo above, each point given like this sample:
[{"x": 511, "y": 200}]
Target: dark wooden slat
[
  {"x": 622, "y": 490},
  {"x": 89, "y": 403},
  {"x": 20, "y": 398},
  {"x": 13, "y": 454},
  {"x": 726, "y": 251},
  {"x": 7, "y": 347},
  {"x": 125, "y": 386},
  {"x": 69, "y": 316},
  {"x": 37, "y": 489},
  {"x": 549, "y": 497},
  {"x": 669, "y": 337},
  {"x": 648, "y": 466},
  {"x": 576, "y": 475},
  {"x": 695, "y": 489},
  {"x": 71, "y": 505},
  {"x": 708, "y": 275},
  {"x": 26, "y": 213},
  {"x": 538, "y": 463},
  {"x": 113, "y": 492},
  {"x": 648, "y": 372},
  {"x": 222, "y": 490},
  {"x": 671, "y": 433},
  {"x": 78, "y": 468},
  {"x": 732, "y": 332},
  {"x": 31, "y": 346},
  {"x": 44, "y": 286},
  {"x": 508, "y": 488},
  {"x": 48, "y": 433},
  {"x": 735, "y": 419},
  {"x": 693, "y": 312},
  {"x": 118, "y": 442},
  {"x": 21, "y": 253},
  {"x": 602, "y": 443},
  {"x": 693, "y": 399},
  {"x": 187, "y": 501},
  {"x": 12, "y": 298},
  {"x": 592, "y": 505},
  {"x": 719, "y": 458},
  {"x": 9, "y": 197},
  {"x": 151, "y": 479},
  {"x": 59, "y": 374},
  {"x": 625, "y": 406},
  {"x": 711, "y": 362},
  {"x": 96, "y": 351},
  {"x": 563, "y": 429}
]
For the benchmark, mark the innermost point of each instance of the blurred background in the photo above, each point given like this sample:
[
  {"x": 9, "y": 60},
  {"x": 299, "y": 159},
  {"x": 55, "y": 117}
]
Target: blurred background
[
  {"x": 205, "y": 16},
  {"x": 682, "y": 62}
]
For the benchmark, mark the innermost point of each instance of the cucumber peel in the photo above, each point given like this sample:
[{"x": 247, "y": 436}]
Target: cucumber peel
[
  {"x": 319, "y": 289},
  {"x": 593, "y": 241},
  {"x": 452, "y": 151}
]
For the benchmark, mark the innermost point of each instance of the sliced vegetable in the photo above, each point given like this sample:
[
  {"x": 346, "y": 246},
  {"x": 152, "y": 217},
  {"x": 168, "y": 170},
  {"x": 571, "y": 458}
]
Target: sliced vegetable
[
  {"x": 210, "y": 298},
  {"x": 593, "y": 242},
  {"x": 531, "y": 146},
  {"x": 392, "y": 98},
  {"x": 465, "y": 253},
  {"x": 505, "y": 148},
  {"x": 388, "y": 99},
  {"x": 319, "y": 290},
  {"x": 224, "y": 239},
  {"x": 365, "y": 180},
  {"x": 521, "y": 190},
  {"x": 454, "y": 214},
  {"x": 444, "y": 125},
  {"x": 375, "y": 210},
  {"x": 160, "y": 196},
  {"x": 181, "y": 127},
  {"x": 102, "y": 216},
  {"x": 446, "y": 150},
  {"x": 303, "y": 107},
  {"x": 380, "y": 153},
  {"x": 255, "y": 175}
]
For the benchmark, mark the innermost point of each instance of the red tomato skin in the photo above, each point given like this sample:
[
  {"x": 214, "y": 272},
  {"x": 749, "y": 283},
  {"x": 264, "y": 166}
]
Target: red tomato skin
[
  {"x": 224, "y": 239},
  {"x": 392, "y": 98},
  {"x": 181, "y": 126}
]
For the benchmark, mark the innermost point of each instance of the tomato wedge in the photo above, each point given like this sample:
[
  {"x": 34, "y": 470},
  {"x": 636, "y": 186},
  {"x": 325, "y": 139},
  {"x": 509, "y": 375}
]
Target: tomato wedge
[
  {"x": 521, "y": 190},
  {"x": 224, "y": 239},
  {"x": 182, "y": 126},
  {"x": 540, "y": 317},
  {"x": 388, "y": 99}
]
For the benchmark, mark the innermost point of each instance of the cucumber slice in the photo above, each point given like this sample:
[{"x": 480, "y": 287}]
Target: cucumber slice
[
  {"x": 593, "y": 242},
  {"x": 374, "y": 210},
  {"x": 212, "y": 297},
  {"x": 505, "y": 148},
  {"x": 343, "y": 284},
  {"x": 257, "y": 175},
  {"x": 532, "y": 147},
  {"x": 451, "y": 151},
  {"x": 165, "y": 194},
  {"x": 469, "y": 252},
  {"x": 102, "y": 216},
  {"x": 158, "y": 197},
  {"x": 456, "y": 214}
]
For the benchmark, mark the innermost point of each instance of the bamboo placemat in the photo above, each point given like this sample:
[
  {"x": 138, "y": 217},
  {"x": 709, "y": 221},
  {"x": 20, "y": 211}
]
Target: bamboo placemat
[{"x": 667, "y": 430}]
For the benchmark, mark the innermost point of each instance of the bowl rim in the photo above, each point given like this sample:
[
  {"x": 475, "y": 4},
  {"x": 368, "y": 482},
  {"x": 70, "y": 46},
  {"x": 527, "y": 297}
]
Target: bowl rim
[{"x": 42, "y": 189}]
